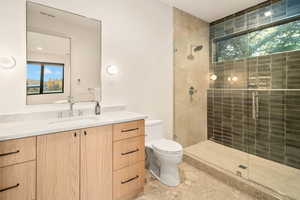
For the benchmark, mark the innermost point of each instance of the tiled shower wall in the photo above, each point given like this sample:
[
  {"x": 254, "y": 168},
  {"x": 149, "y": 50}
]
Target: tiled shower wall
[
  {"x": 190, "y": 127},
  {"x": 273, "y": 131}
]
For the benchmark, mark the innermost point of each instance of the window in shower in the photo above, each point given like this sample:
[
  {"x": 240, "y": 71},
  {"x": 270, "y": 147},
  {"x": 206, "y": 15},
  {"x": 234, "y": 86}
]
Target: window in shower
[{"x": 267, "y": 41}]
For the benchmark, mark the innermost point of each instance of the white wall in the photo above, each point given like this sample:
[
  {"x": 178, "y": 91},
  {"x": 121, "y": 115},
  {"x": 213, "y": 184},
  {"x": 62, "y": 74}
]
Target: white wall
[{"x": 137, "y": 37}]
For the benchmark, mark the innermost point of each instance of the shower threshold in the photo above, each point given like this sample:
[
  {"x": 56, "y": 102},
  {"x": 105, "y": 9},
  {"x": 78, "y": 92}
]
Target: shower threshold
[{"x": 257, "y": 176}]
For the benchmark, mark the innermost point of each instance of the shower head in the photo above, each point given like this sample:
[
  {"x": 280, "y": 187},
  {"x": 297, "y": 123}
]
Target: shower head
[
  {"x": 198, "y": 48},
  {"x": 194, "y": 49}
]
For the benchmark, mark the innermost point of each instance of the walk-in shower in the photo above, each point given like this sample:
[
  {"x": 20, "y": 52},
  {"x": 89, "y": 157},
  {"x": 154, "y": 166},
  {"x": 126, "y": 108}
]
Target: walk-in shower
[{"x": 253, "y": 101}]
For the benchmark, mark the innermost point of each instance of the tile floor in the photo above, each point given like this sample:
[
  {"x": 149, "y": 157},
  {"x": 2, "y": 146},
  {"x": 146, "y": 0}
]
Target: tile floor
[{"x": 196, "y": 185}]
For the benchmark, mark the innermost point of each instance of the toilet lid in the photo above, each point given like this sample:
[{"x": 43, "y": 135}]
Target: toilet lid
[{"x": 167, "y": 146}]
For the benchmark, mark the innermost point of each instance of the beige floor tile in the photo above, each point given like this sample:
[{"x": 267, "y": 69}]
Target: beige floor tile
[{"x": 196, "y": 185}]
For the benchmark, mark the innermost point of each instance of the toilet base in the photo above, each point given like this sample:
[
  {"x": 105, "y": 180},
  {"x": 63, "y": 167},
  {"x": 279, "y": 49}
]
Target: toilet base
[
  {"x": 164, "y": 170},
  {"x": 168, "y": 175}
]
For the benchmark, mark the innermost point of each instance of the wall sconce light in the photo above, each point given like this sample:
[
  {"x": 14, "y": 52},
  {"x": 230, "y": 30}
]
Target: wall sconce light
[
  {"x": 112, "y": 70},
  {"x": 213, "y": 77},
  {"x": 7, "y": 62}
]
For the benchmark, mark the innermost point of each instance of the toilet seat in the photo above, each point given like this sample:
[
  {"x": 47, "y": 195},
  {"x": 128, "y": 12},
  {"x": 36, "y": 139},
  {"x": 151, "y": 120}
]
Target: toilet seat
[{"x": 167, "y": 147}]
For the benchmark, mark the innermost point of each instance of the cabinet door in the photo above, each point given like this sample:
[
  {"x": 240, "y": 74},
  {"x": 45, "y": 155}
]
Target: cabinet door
[
  {"x": 58, "y": 166},
  {"x": 17, "y": 182},
  {"x": 96, "y": 163}
]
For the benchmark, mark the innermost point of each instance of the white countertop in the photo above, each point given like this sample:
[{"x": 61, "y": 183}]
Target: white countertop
[{"x": 15, "y": 130}]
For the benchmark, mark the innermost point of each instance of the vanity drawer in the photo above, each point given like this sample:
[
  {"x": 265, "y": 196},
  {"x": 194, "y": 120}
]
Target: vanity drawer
[
  {"x": 128, "y": 130},
  {"x": 129, "y": 181},
  {"x": 128, "y": 152},
  {"x": 17, "y": 151},
  {"x": 18, "y": 181}
]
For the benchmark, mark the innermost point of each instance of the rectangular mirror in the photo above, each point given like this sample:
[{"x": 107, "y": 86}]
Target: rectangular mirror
[{"x": 63, "y": 56}]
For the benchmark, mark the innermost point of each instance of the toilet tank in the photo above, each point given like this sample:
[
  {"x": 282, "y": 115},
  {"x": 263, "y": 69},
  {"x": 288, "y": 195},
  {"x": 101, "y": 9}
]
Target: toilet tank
[{"x": 153, "y": 130}]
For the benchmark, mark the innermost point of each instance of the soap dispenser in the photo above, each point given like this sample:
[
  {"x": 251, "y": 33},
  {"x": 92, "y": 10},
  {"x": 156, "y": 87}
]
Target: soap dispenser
[{"x": 97, "y": 108}]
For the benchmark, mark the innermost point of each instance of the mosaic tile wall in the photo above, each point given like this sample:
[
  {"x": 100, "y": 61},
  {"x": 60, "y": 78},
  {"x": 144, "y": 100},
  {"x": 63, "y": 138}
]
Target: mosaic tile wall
[{"x": 275, "y": 133}]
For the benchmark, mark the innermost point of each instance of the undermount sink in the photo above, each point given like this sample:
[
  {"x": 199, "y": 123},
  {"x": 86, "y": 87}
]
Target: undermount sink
[{"x": 75, "y": 119}]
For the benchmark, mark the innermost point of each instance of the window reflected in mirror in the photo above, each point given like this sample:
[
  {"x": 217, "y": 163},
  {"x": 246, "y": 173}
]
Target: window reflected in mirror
[{"x": 45, "y": 78}]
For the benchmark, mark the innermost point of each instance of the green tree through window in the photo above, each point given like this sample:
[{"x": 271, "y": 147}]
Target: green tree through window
[{"x": 264, "y": 42}]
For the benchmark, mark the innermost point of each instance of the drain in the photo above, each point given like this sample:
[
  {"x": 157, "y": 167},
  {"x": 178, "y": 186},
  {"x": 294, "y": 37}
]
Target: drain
[{"x": 243, "y": 167}]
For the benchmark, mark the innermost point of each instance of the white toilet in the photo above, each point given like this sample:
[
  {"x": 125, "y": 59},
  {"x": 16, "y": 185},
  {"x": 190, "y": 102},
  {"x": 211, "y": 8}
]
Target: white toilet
[{"x": 163, "y": 156}]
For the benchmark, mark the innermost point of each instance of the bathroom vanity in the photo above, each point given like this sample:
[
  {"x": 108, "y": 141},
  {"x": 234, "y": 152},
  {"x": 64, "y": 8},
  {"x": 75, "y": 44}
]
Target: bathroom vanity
[
  {"x": 99, "y": 158},
  {"x": 88, "y": 157}
]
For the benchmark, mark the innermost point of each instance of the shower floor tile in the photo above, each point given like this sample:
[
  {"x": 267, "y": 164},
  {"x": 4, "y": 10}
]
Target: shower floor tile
[
  {"x": 280, "y": 178},
  {"x": 196, "y": 185}
]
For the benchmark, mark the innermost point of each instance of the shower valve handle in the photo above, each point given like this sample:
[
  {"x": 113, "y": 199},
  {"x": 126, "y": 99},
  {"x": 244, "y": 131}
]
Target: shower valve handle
[{"x": 192, "y": 91}]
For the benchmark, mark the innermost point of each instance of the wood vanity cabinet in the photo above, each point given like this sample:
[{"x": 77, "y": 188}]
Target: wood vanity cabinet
[
  {"x": 96, "y": 164},
  {"x": 58, "y": 166},
  {"x": 100, "y": 163},
  {"x": 17, "y": 151},
  {"x": 75, "y": 165},
  {"x": 18, "y": 169},
  {"x": 129, "y": 159}
]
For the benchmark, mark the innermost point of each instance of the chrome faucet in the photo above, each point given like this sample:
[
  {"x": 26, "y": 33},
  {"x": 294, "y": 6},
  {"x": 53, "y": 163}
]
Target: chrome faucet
[{"x": 72, "y": 103}]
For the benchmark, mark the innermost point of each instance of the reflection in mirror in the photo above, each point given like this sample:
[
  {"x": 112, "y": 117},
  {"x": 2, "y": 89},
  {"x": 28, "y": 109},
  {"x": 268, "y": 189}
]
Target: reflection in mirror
[{"x": 63, "y": 56}]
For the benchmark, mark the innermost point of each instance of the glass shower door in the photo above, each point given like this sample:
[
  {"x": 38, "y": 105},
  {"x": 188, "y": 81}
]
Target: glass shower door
[
  {"x": 226, "y": 116},
  {"x": 274, "y": 125}
]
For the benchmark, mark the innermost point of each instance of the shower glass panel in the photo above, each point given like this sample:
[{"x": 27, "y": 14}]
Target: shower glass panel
[
  {"x": 274, "y": 159},
  {"x": 228, "y": 105},
  {"x": 254, "y": 115},
  {"x": 254, "y": 95}
]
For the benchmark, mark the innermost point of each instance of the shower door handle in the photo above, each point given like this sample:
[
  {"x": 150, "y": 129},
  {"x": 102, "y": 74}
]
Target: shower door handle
[{"x": 255, "y": 106}]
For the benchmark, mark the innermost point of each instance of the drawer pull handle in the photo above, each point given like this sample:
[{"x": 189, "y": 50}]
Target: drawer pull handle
[
  {"x": 9, "y": 188},
  {"x": 129, "y": 180},
  {"x": 10, "y": 153},
  {"x": 129, "y": 152},
  {"x": 129, "y": 130}
]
